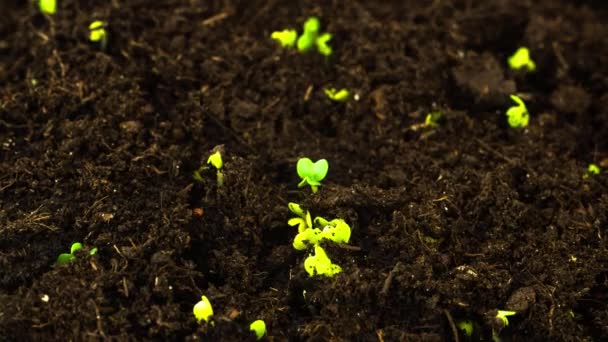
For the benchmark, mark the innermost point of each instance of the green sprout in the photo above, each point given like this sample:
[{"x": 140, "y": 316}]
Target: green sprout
[
  {"x": 303, "y": 221},
  {"x": 287, "y": 38},
  {"x": 310, "y": 236},
  {"x": 312, "y": 173},
  {"x": 65, "y": 258},
  {"x": 259, "y": 328},
  {"x": 97, "y": 33},
  {"x": 341, "y": 95},
  {"x": 593, "y": 169},
  {"x": 336, "y": 230},
  {"x": 521, "y": 59},
  {"x": 432, "y": 119},
  {"x": 216, "y": 160},
  {"x": 502, "y": 315},
  {"x": 320, "y": 264},
  {"x": 323, "y": 44},
  {"x": 47, "y": 6},
  {"x": 518, "y": 116},
  {"x": 309, "y": 37},
  {"x": 466, "y": 326},
  {"x": 203, "y": 310}
]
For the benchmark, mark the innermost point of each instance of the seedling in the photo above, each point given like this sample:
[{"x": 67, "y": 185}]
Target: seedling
[
  {"x": 309, "y": 37},
  {"x": 341, "y": 95},
  {"x": 518, "y": 116},
  {"x": 336, "y": 230},
  {"x": 466, "y": 326},
  {"x": 592, "y": 170},
  {"x": 287, "y": 38},
  {"x": 432, "y": 119},
  {"x": 47, "y": 6},
  {"x": 65, "y": 258},
  {"x": 97, "y": 33},
  {"x": 320, "y": 264},
  {"x": 502, "y": 316},
  {"x": 303, "y": 221},
  {"x": 203, "y": 310},
  {"x": 259, "y": 328},
  {"x": 521, "y": 60},
  {"x": 216, "y": 160},
  {"x": 310, "y": 236},
  {"x": 312, "y": 173},
  {"x": 323, "y": 44}
]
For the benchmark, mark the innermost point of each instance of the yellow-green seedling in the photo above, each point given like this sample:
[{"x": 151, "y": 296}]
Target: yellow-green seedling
[
  {"x": 521, "y": 60},
  {"x": 97, "y": 33},
  {"x": 466, "y": 326},
  {"x": 65, "y": 258},
  {"x": 303, "y": 221},
  {"x": 592, "y": 170},
  {"x": 432, "y": 119},
  {"x": 259, "y": 328},
  {"x": 308, "y": 39},
  {"x": 320, "y": 264},
  {"x": 47, "y": 6},
  {"x": 341, "y": 95},
  {"x": 287, "y": 38},
  {"x": 518, "y": 115},
  {"x": 323, "y": 44},
  {"x": 203, "y": 310},
  {"x": 216, "y": 160},
  {"x": 502, "y": 316},
  {"x": 336, "y": 230},
  {"x": 308, "y": 237},
  {"x": 312, "y": 173}
]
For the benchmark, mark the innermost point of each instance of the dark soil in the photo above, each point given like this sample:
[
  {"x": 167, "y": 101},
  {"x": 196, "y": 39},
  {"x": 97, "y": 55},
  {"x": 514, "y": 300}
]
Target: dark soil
[{"x": 449, "y": 224}]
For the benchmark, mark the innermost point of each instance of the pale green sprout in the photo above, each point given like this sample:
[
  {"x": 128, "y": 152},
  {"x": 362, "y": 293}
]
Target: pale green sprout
[
  {"x": 304, "y": 220},
  {"x": 521, "y": 59},
  {"x": 432, "y": 119},
  {"x": 320, "y": 264},
  {"x": 97, "y": 33},
  {"x": 593, "y": 169},
  {"x": 287, "y": 38},
  {"x": 502, "y": 315},
  {"x": 309, "y": 37},
  {"x": 65, "y": 258},
  {"x": 341, "y": 95},
  {"x": 310, "y": 236},
  {"x": 47, "y": 6},
  {"x": 323, "y": 44},
  {"x": 312, "y": 173},
  {"x": 203, "y": 310},
  {"x": 336, "y": 230},
  {"x": 259, "y": 328},
  {"x": 216, "y": 160},
  {"x": 518, "y": 115},
  {"x": 466, "y": 326}
]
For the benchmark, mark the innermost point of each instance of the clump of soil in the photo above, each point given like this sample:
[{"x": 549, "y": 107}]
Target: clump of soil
[{"x": 448, "y": 224}]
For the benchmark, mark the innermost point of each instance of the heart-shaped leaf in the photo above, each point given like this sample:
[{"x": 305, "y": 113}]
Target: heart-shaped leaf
[{"x": 320, "y": 170}]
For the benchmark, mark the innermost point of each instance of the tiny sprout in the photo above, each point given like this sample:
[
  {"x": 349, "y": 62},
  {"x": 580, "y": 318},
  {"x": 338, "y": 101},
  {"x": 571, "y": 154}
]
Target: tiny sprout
[
  {"x": 259, "y": 328},
  {"x": 336, "y": 230},
  {"x": 593, "y": 169},
  {"x": 312, "y": 173},
  {"x": 287, "y": 38},
  {"x": 65, "y": 258},
  {"x": 521, "y": 59},
  {"x": 310, "y": 236},
  {"x": 432, "y": 119},
  {"x": 320, "y": 264},
  {"x": 341, "y": 95},
  {"x": 97, "y": 33},
  {"x": 203, "y": 310},
  {"x": 303, "y": 221},
  {"x": 466, "y": 326},
  {"x": 323, "y": 46},
  {"x": 309, "y": 37},
  {"x": 216, "y": 160},
  {"x": 518, "y": 116},
  {"x": 47, "y": 6},
  {"x": 502, "y": 315}
]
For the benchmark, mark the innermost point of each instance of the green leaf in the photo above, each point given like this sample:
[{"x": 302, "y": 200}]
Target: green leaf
[
  {"x": 65, "y": 258},
  {"x": 320, "y": 170},
  {"x": 75, "y": 247},
  {"x": 305, "y": 167}
]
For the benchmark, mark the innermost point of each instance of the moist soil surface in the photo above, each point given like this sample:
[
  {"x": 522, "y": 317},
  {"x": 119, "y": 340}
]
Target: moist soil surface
[{"x": 449, "y": 223}]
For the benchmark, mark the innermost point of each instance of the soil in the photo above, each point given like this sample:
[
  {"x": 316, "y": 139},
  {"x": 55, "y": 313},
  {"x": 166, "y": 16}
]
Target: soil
[{"x": 448, "y": 224}]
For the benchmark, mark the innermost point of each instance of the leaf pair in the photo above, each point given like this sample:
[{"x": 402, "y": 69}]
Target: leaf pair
[{"x": 312, "y": 173}]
